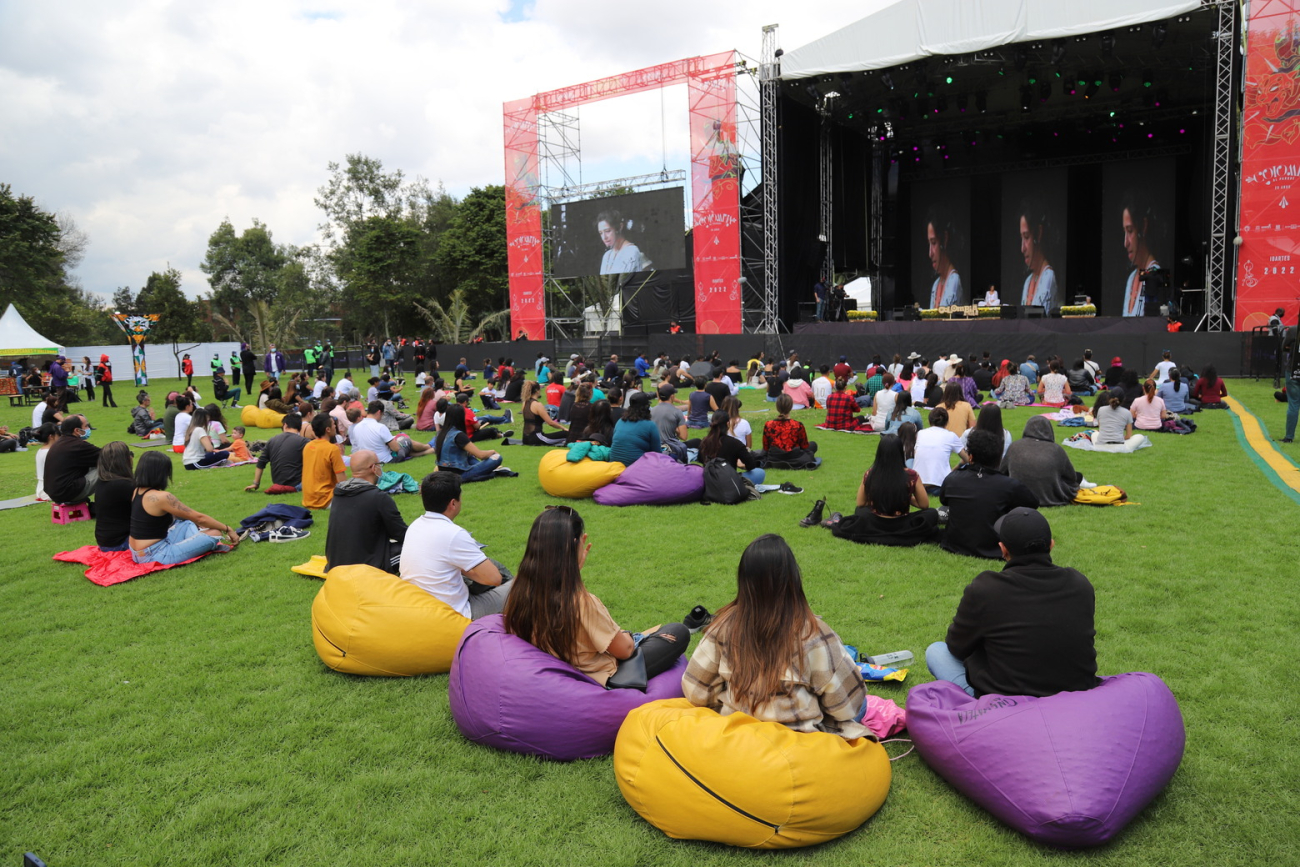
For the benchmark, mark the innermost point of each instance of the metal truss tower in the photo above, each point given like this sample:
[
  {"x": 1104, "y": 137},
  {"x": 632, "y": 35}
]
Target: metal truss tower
[
  {"x": 769, "y": 77},
  {"x": 1218, "y": 276}
]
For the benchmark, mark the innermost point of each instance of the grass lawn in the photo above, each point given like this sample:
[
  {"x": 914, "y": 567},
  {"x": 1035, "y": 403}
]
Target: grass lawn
[{"x": 184, "y": 717}]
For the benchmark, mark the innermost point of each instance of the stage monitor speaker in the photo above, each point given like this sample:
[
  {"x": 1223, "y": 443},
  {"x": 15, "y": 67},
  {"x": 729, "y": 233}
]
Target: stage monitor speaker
[
  {"x": 807, "y": 311},
  {"x": 911, "y": 314},
  {"x": 1010, "y": 311}
]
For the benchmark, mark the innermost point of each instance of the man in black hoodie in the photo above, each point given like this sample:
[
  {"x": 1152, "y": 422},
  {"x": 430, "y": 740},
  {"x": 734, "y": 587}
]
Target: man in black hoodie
[
  {"x": 1027, "y": 630},
  {"x": 365, "y": 525},
  {"x": 977, "y": 494}
]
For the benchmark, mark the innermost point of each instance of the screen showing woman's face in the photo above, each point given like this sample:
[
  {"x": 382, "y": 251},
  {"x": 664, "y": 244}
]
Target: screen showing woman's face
[
  {"x": 1026, "y": 243},
  {"x": 606, "y": 233},
  {"x": 1130, "y": 237},
  {"x": 933, "y": 241}
]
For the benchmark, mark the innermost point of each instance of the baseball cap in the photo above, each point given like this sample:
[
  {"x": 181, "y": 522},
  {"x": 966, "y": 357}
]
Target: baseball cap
[
  {"x": 1024, "y": 531},
  {"x": 666, "y": 392},
  {"x": 1116, "y": 361},
  {"x": 573, "y": 357}
]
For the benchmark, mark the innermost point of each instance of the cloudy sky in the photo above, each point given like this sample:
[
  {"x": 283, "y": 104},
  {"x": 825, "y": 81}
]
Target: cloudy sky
[{"x": 150, "y": 121}]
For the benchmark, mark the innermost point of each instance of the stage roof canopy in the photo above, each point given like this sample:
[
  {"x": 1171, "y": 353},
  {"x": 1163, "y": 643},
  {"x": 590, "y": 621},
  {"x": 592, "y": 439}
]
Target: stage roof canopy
[
  {"x": 909, "y": 30},
  {"x": 19, "y": 338}
]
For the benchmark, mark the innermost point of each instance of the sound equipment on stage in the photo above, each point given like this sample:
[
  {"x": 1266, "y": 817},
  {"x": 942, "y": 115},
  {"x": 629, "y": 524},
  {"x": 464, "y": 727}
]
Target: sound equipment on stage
[
  {"x": 1010, "y": 311},
  {"x": 910, "y": 314}
]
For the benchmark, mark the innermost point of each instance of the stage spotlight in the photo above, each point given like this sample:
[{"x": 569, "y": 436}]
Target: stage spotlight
[
  {"x": 813, "y": 91},
  {"x": 962, "y": 102},
  {"x": 887, "y": 80},
  {"x": 1093, "y": 87},
  {"x": 1026, "y": 97},
  {"x": 1116, "y": 79},
  {"x": 941, "y": 105},
  {"x": 1058, "y": 52},
  {"x": 1108, "y": 44},
  {"x": 1159, "y": 31}
]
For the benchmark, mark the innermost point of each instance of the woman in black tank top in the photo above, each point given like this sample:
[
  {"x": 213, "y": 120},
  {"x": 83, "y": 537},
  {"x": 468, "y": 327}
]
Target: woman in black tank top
[
  {"x": 536, "y": 418},
  {"x": 163, "y": 529}
]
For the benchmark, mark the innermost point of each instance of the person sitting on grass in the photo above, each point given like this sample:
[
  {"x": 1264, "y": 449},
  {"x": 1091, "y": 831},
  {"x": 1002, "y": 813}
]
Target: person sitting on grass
[
  {"x": 457, "y": 454},
  {"x": 961, "y": 416},
  {"x": 1054, "y": 387},
  {"x": 990, "y": 419},
  {"x": 536, "y": 418},
  {"x": 1210, "y": 390},
  {"x": 841, "y": 410},
  {"x": 1014, "y": 389},
  {"x": 933, "y": 450},
  {"x": 165, "y": 530},
  {"x": 200, "y": 451},
  {"x": 365, "y": 525},
  {"x": 702, "y": 405},
  {"x": 903, "y": 413},
  {"x": 634, "y": 433},
  {"x": 284, "y": 453},
  {"x": 1149, "y": 411},
  {"x": 113, "y": 493},
  {"x": 551, "y": 608},
  {"x": 886, "y": 496},
  {"x": 883, "y": 403},
  {"x": 1175, "y": 393},
  {"x": 1026, "y": 630},
  {"x": 719, "y": 444},
  {"x": 798, "y": 388},
  {"x": 1038, "y": 462},
  {"x": 46, "y": 435},
  {"x": 672, "y": 427},
  {"x": 977, "y": 494},
  {"x": 767, "y": 655},
  {"x": 371, "y": 433},
  {"x": 442, "y": 558},
  {"x": 580, "y": 412},
  {"x": 738, "y": 428},
  {"x": 322, "y": 465},
  {"x": 1115, "y": 424},
  {"x": 143, "y": 422},
  {"x": 785, "y": 434}
]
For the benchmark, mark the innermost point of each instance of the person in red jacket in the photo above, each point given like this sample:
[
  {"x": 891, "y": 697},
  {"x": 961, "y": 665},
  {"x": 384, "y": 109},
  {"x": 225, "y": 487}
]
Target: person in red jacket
[{"x": 187, "y": 368}]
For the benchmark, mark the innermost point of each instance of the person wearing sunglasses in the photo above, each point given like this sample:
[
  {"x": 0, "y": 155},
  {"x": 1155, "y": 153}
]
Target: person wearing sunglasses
[{"x": 552, "y": 609}]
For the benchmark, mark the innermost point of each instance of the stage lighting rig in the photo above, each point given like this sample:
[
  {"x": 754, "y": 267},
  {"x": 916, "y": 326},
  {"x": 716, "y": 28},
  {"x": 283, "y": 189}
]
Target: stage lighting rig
[
  {"x": 1022, "y": 58},
  {"x": 887, "y": 80},
  {"x": 1045, "y": 90},
  {"x": 1146, "y": 78},
  {"x": 1026, "y": 98},
  {"x": 1093, "y": 87},
  {"x": 1058, "y": 52},
  {"x": 1108, "y": 44},
  {"x": 982, "y": 101},
  {"x": 1159, "y": 31},
  {"x": 962, "y": 102}
]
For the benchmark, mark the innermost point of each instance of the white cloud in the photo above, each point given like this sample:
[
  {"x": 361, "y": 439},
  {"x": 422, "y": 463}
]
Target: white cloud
[{"x": 150, "y": 122}]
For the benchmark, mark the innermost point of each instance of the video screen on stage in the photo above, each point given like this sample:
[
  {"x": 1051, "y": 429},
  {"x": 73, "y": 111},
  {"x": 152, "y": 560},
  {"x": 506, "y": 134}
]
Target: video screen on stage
[
  {"x": 1137, "y": 201},
  {"x": 620, "y": 234},
  {"x": 940, "y": 246},
  {"x": 1034, "y": 229}
]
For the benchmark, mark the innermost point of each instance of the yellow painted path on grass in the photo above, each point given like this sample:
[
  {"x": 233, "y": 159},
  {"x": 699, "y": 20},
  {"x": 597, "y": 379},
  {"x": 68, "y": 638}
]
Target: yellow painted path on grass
[{"x": 1258, "y": 441}]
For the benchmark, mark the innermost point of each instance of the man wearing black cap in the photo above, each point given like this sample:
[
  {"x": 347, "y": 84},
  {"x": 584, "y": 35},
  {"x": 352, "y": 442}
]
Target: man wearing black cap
[
  {"x": 977, "y": 493},
  {"x": 1027, "y": 630}
]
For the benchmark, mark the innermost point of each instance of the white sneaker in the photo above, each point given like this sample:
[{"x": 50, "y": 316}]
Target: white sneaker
[{"x": 1087, "y": 484}]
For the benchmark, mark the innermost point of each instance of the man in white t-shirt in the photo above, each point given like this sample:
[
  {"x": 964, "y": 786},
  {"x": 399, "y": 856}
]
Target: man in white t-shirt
[
  {"x": 371, "y": 433},
  {"x": 822, "y": 385},
  {"x": 940, "y": 365},
  {"x": 935, "y": 447},
  {"x": 346, "y": 388},
  {"x": 1091, "y": 366},
  {"x": 442, "y": 558}
]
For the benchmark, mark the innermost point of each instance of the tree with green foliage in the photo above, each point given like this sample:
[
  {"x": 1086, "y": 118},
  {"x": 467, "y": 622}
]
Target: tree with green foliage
[
  {"x": 456, "y": 323},
  {"x": 472, "y": 251},
  {"x": 179, "y": 318},
  {"x": 37, "y": 249}
]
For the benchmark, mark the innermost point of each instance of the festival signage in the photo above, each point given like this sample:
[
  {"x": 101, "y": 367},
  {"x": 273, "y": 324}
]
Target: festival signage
[
  {"x": 137, "y": 330},
  {"x": 1268, "y": 260}
]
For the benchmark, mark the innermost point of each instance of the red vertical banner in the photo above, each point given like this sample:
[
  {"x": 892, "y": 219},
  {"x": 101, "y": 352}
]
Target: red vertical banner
[
  {"x": 1268, "y": 261},
  {"x": 715, "y": 189},
  {"x": 524, "y": 222}
]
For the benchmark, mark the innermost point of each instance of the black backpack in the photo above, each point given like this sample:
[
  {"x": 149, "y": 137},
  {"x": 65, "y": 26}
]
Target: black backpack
[{"x": 722, "y": 484}]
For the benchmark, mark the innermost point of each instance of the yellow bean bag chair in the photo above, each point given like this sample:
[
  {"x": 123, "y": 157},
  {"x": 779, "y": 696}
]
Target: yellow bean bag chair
[
  {"x": 697, "y": 775},
  {"x": 270, "y": 419},
  {"x": 316, "y": 567},
  {"x": 576, "y": 481},
  {"x": 365, "y": 621},
  {"x": 250, "y": 415}
]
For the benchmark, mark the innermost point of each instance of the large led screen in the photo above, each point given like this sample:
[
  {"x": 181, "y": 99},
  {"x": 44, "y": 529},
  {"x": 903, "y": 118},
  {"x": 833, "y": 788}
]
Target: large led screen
[
  {"x": 1137, "y": 202},
  {"x": 620, "y": 234},
  {"x": 1034, "y": 230},
  {"x": 940, "y": 243}
]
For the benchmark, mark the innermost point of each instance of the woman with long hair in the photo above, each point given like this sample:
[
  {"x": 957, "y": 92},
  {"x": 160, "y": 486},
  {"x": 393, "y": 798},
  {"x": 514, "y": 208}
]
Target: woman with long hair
[
  {"x": 1175, "y": 393},
  {"x": 933, "y": 390},
  {"x": 165, "y": 530},
  {"x": 580, "y": 413},
  {"x": 1054, "y": 387},
  {"x": 1149, "y": 411},
  {"x": 941, "y": 236},
  {"x": 457, "y": 453},
  {"x": 969, "y": 390},
  {"x": 551, "y": 608},
  {"x": 1139, "y": 229},
  {"x": 906, "y": 434},
  {"x": 424, "y": 409},
  {"x": 990, "y": 419},
  {"x": 1035, "y": 244},
  {"x": 600, "y": 424},
  {"x": 767, "y": 655},
  {"x": 1115, "y": 426},
  {"x": 515, "y": 387},
  {"x": 113, "y": 494},
  {"x": 536, "y": 418},
  {"x": 883, "y": 402},
  {"x": 200, "y": 451},
  {"x": 217, "y": 426},
  {"x": 719, "y": 444},
  {"x": 903, "y": 413},
  {"x": 886, "y": 496},
  {"x": 1210, "y": 390},
  {"x": 738, "y": 428},
  {"x": 634, "y": 433},
  {"x": 961, "y": 417}
]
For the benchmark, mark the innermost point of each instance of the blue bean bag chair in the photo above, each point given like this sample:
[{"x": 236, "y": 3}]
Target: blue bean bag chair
[
  {"x": 654, "y": 479},
  {"x": 507, "y": 694},
  {"x": 1070, "y": 770}
]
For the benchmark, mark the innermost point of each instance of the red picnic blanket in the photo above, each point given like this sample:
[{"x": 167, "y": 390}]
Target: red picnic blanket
[{"x": 112, "y": 567}]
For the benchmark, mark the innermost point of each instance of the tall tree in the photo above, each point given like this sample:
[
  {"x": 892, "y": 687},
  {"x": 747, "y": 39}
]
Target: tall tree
[
  {"x": 473, "y": 250},
  {"x": 179, "y": 318},
  {"x": 258, "y": 287}
]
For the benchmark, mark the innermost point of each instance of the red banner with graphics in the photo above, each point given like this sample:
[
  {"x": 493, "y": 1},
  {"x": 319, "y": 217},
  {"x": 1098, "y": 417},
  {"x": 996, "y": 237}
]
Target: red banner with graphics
[
  {"x": 1268, "y": 261},
  {"x": 715, "y": 188},
  {"x": 715, "y": 191},
  {"x": 524, "y": 223}
]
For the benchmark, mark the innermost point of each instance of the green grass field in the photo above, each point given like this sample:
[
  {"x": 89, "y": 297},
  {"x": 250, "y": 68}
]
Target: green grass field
[{"x": 184, "y": 717}]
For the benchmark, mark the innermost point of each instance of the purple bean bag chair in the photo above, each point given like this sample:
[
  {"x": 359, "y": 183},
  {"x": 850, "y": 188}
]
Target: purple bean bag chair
[
  {"x": 1069, "y": 770},
  {"x": 654, "y": 479},
  {"x": 508, "y": 694}
]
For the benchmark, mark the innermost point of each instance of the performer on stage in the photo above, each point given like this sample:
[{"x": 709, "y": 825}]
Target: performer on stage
[
  {"x": 1137, "y": 238},
  {"x": 991, "y": 298},
  {"x": 946, "y": 290},
  {"x": 621, "y": 256},
  {"x": 1040, "y": 283}
]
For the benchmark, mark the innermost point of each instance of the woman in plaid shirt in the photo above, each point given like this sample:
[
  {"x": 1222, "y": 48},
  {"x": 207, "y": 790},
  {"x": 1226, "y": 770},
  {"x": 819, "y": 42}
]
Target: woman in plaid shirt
[{"x": 767, "y": 655}]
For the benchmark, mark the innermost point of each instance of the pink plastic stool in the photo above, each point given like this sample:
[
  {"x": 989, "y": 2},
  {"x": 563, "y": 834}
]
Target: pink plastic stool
[{"x": 69, "y": 513}]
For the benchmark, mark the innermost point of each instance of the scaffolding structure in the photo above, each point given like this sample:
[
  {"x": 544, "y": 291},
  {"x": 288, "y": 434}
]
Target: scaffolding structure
[
  {"x": 769, "y": 83},
  {"x": 1217, "y": 264}
]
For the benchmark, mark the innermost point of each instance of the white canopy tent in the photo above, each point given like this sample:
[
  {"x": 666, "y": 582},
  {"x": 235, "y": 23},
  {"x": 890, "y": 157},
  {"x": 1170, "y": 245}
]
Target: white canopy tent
[
  {"x": 860, "y": 291},
  {"x": 19, "y": 338},
  {"x": 907, "y": 30}
]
